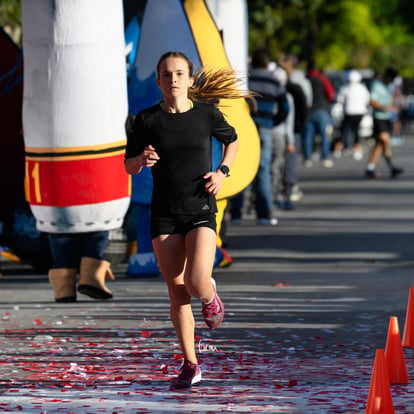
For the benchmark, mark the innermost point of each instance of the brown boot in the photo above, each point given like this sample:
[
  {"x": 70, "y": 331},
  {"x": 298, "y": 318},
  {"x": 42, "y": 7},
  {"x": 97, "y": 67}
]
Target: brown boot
[
  {"x": 63, "y": 282},
  {"x": 93, "y": 273}
]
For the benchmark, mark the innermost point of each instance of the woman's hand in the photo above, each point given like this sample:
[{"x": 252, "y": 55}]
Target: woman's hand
[
  {"x": 214, "y": 181},
  {"x": 149, "y": 157}
]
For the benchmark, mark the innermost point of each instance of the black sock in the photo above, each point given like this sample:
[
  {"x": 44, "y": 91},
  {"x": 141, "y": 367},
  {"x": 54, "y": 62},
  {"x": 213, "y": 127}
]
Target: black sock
[{"x": 388, "y": 161}]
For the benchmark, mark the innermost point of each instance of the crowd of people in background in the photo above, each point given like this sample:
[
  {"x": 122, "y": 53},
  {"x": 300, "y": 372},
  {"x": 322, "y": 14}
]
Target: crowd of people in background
[{"x": 296, "y": 123}]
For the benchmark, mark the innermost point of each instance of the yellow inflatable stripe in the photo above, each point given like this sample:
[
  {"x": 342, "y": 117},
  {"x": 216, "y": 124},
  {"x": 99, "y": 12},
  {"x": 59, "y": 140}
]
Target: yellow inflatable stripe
[
  {"x": 74, "y": 157},
  {"x": 236, "y": 111}
]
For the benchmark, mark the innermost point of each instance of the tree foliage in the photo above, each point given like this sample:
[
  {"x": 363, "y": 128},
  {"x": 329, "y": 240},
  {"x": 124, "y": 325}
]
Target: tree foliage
[
  {"x": 10, "y": 18},
  {"x": 337, "y": 34}
]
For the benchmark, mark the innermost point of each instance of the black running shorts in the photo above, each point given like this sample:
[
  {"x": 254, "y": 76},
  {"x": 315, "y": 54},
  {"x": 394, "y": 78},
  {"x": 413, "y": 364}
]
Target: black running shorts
[
  {"x": 380, "y": 126},
  {"x": 181, "y": 224}
]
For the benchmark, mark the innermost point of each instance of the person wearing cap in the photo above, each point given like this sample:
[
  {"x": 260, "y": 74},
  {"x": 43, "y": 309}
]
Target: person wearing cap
[{"x": 355, "y": 98}]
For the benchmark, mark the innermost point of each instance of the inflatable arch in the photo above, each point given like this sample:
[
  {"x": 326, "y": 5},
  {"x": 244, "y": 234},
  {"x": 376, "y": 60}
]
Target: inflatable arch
[
  {"x": 74, "y": 109},
  {"x": 188, "y": 26}
]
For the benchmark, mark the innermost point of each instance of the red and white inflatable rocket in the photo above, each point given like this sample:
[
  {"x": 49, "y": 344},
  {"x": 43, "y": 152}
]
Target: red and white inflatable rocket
[{"x": 74, "y": 109}]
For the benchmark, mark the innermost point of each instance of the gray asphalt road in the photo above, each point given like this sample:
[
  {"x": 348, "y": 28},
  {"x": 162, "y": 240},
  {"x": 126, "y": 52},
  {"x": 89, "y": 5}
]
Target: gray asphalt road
[{"x": 307, "y": 301}]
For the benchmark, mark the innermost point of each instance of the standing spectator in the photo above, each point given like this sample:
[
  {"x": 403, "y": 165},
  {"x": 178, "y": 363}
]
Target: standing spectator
[
  {"x": 383, "y": 113},
  {"x": 272, "y": 109},
  {"x": 83, "y": 252},
  {"x": 290, "y": 63},
  {"x": 299, "y": 87},
  {"x": 284, "y": 152},
  {"x": 354, "y": 97},
  {"x": 319, "y": 119}
]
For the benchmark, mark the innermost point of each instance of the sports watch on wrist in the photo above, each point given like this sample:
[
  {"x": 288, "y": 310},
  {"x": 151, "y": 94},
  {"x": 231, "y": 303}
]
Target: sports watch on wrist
[{"x": 225, "y": 170}]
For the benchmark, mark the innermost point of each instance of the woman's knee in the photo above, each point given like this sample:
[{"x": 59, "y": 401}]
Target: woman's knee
[
  {"x": 178, "y": 294},
  {"x": 200, "y": 288}
]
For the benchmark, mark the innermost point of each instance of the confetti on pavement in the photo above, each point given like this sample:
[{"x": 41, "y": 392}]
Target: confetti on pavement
[{"x": 52, "y": 368}]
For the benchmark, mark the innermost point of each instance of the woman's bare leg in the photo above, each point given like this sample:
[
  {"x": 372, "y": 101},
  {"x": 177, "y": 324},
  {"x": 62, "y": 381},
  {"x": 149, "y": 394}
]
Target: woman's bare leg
[
  {"x": 186, "y": 265},
  {"x": 170, "y": 253},
  {"x": 200, "y": 247}
]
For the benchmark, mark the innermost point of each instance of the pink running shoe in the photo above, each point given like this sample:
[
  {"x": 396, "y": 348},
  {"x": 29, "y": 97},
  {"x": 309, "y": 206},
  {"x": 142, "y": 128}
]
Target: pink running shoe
[
  {"x": 213, "y": 312},
  {"x": 190, "y": 375}
]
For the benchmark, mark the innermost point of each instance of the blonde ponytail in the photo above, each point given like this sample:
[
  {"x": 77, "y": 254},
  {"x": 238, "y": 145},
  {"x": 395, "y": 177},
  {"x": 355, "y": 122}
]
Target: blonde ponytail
[{"x": 211, "y": 85}]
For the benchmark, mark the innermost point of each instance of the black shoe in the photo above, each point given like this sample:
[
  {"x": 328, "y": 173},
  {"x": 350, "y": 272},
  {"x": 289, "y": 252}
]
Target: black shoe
[
  {"x": 395, "y": 172},
  {"x": 94, "y": 292},
  {"x": 372, "y": 174},
  {"x": 66, "y": 299}
]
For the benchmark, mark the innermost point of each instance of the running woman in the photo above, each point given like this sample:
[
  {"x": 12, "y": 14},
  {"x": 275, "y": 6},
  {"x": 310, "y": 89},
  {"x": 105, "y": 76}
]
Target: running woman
[{"x": 173, "y": 138}]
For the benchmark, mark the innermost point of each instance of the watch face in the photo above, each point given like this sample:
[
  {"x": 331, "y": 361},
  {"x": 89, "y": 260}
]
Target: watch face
[{"x": 225, "y": 170}]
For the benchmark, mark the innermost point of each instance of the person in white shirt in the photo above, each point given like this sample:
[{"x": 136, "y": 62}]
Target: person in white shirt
[{"x": 355, "y": 98}]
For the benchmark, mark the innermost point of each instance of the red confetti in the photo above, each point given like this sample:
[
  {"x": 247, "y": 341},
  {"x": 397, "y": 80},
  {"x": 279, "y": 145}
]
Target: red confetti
[
  {"x": 292, "y": 383},
  {"x": 146, "y": 334},
  {"x": 38, "y": 321},
  {"x": 6, "y": 316}
]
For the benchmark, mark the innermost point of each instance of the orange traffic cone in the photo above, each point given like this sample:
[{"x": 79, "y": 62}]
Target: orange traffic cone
[
  {"x": 408, "y": 336},
  {"x": 394, "y": 356},
  {"x": 379, "y": 397}
]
